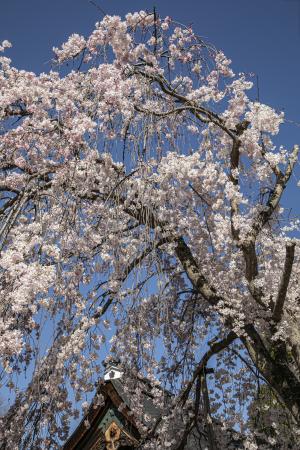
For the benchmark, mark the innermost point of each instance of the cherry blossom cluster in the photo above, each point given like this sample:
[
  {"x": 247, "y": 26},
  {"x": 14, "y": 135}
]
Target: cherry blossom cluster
[{"x": 141, "y": 210}]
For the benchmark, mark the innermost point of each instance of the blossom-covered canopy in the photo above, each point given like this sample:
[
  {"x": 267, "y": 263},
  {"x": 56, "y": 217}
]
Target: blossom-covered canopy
[{"x": 141, "y": 188}]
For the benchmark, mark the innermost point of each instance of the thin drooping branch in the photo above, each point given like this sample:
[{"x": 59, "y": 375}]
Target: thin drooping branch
[
  {"x": 42, "y": 372},
  {"x": 284, "y": 282}
]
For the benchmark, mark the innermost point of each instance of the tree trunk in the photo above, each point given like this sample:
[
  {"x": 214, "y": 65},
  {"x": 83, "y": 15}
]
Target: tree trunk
[{"x": 273, "y": 364}]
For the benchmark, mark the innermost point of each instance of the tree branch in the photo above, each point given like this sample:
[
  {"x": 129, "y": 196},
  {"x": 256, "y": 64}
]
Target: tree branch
[
  {"x": 214, "y": 349},
  {"x": 198, "y": 372},
  {"x": 234, "y": 165},
  {"x": 284, "y": 282},
  {"x": 203, "y": 114},
  {"x": 207, "y": 414},
  {"x": 194, "y": 273},
  {"x": 248, "y": 245},
  {"x": 274, "y": 197}
]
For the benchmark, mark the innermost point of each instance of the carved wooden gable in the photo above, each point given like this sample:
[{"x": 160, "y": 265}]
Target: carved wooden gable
[{"x": 105, "y": 427}]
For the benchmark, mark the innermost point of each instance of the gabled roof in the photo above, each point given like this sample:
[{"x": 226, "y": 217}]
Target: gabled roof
[
  {"x": 116, "y": 408},
  {"x": 148, "y": 405},
  {"x": 99, "y": 416}
]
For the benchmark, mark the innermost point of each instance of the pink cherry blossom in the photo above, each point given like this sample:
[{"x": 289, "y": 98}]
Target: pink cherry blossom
[{"x": 141, "y": 211}]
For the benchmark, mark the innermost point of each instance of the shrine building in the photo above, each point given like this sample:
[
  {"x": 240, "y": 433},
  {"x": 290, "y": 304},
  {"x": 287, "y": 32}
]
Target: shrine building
[{"x": 111, "y": 425}]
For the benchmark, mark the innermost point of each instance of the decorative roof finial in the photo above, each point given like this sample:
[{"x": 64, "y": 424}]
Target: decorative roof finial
[{"x": 112, "y": 369}]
